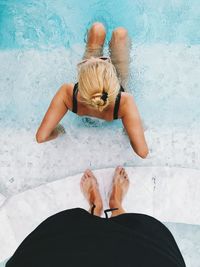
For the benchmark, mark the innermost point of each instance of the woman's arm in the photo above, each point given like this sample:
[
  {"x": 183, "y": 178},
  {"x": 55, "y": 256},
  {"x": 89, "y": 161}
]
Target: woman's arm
[
  {"x": 133, "y": 125},
  {"x": 57, "y": 109}
]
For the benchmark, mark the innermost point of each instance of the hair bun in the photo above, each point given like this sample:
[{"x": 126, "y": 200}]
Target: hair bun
[
  {"x": 104, "y": 96},
  {"x": 96, "y": 95},
  {"x": 99, "y": 102}
]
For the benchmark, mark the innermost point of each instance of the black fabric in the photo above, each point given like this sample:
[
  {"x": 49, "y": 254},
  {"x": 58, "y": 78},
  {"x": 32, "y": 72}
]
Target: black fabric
[
  {"x": 117, "y": 103},
  {"x": 75, "y": 238},
  {"x": 74, "y": 99},
  {"x": 116, "y": 107}
]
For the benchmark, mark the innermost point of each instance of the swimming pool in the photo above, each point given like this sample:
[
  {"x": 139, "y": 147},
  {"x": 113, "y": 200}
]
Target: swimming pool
[{"x": 40, "y": 44}]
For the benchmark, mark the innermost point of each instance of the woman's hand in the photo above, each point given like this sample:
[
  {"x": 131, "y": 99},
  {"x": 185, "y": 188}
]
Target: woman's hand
[
  {"x": 60, "y": 129},
  {"x": 49, "y": 128}
]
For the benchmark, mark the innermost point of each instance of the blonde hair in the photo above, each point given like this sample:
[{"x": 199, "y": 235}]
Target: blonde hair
[{"x": 95, "y": 79}]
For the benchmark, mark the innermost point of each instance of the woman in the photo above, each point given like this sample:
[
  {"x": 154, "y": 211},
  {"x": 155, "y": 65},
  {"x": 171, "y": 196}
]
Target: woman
[
  {"x": 77, "y": 238},
  {"x": 100, "y": 90}
]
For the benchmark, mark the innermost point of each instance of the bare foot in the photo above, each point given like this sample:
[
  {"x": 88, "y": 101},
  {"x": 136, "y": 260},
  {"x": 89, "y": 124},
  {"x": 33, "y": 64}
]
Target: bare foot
[
  {"x": 90, "y": 189},
  {"x": 120, "y": 188}
]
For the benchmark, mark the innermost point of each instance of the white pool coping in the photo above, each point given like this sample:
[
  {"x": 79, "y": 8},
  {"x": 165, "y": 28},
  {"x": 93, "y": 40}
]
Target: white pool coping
[{"x": 168, "y": 194}]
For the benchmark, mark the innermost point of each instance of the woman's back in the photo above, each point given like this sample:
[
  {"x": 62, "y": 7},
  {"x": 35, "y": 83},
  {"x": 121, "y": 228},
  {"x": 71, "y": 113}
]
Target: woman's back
[{"x": 77, "y": 105}]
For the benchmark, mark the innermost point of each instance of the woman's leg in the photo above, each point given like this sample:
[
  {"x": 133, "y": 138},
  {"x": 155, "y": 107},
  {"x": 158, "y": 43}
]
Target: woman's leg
[
  {"x": 95, "y": 41},
  {"x": 90, "y": 189},
  {"x": 120, "y": 45},
  {"x": 120, "y": 188}
]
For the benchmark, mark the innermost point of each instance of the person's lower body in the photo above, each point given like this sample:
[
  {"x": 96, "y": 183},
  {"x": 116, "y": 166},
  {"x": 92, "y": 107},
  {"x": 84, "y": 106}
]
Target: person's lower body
[
  {"x": 143, "y": 225},
  {"x": 119, "y": 48}
]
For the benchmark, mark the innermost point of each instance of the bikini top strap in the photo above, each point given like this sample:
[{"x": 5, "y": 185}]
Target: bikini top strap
[
  {"x": 74, "y": 99},
  {"x": 117, "y": 103},
  {"x": 122, "y": 89}
]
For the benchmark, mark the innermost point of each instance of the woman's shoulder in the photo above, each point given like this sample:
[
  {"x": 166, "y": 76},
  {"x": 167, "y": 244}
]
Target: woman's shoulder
[
  {"x": 126, "y": 103},
  {"x": 67, "y": 87},
  {"x": 67, "y": 93},
  {"x": 126, "y": 98}
]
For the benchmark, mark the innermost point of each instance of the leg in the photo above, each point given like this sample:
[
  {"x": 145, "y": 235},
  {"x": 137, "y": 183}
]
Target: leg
[
  {"x": 89, "y": 187},
  {"x": 120, "y": 53},
  {"x": 95, "y": 41},
  {"x": 120, "y": 188}
]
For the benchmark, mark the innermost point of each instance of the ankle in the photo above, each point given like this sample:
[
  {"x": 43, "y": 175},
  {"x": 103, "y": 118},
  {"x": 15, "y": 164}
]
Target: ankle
[
  {"x": 98, "y": 206},
  {"x": 114, "y": 203},
  {"x": 96, "y": 209},
  {"x": 117, "y": 212}
]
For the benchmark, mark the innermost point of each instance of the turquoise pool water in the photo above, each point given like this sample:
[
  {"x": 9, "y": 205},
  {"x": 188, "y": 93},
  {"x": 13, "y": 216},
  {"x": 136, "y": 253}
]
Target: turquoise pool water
[
  {"x": 42, "y": 24},
  {"x": 41, "y": 42},
  {"x": 40, "y": 45}
]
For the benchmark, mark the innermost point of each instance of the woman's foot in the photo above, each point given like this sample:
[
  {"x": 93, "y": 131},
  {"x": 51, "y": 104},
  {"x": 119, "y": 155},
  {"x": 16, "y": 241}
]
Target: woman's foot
[
  {"x": 120, "y": 188},
  {"x": 90, "y": 189}
]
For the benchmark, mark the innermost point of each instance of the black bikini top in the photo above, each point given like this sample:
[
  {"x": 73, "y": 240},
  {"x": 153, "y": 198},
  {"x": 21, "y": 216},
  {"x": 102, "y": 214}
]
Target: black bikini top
[{"x": 116, "y": 107}]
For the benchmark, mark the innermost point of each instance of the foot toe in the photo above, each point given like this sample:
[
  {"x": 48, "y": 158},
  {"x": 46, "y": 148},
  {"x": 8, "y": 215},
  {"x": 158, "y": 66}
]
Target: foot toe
[
  {"x": 122, "y": 171},
  {"x": 125, "y": 173},
  {"x": 90, "y": 173},
  {"x": 83, "y": 178},
  {"x": 87, "y": 173},
  {"x": 118, "y": 169}
]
